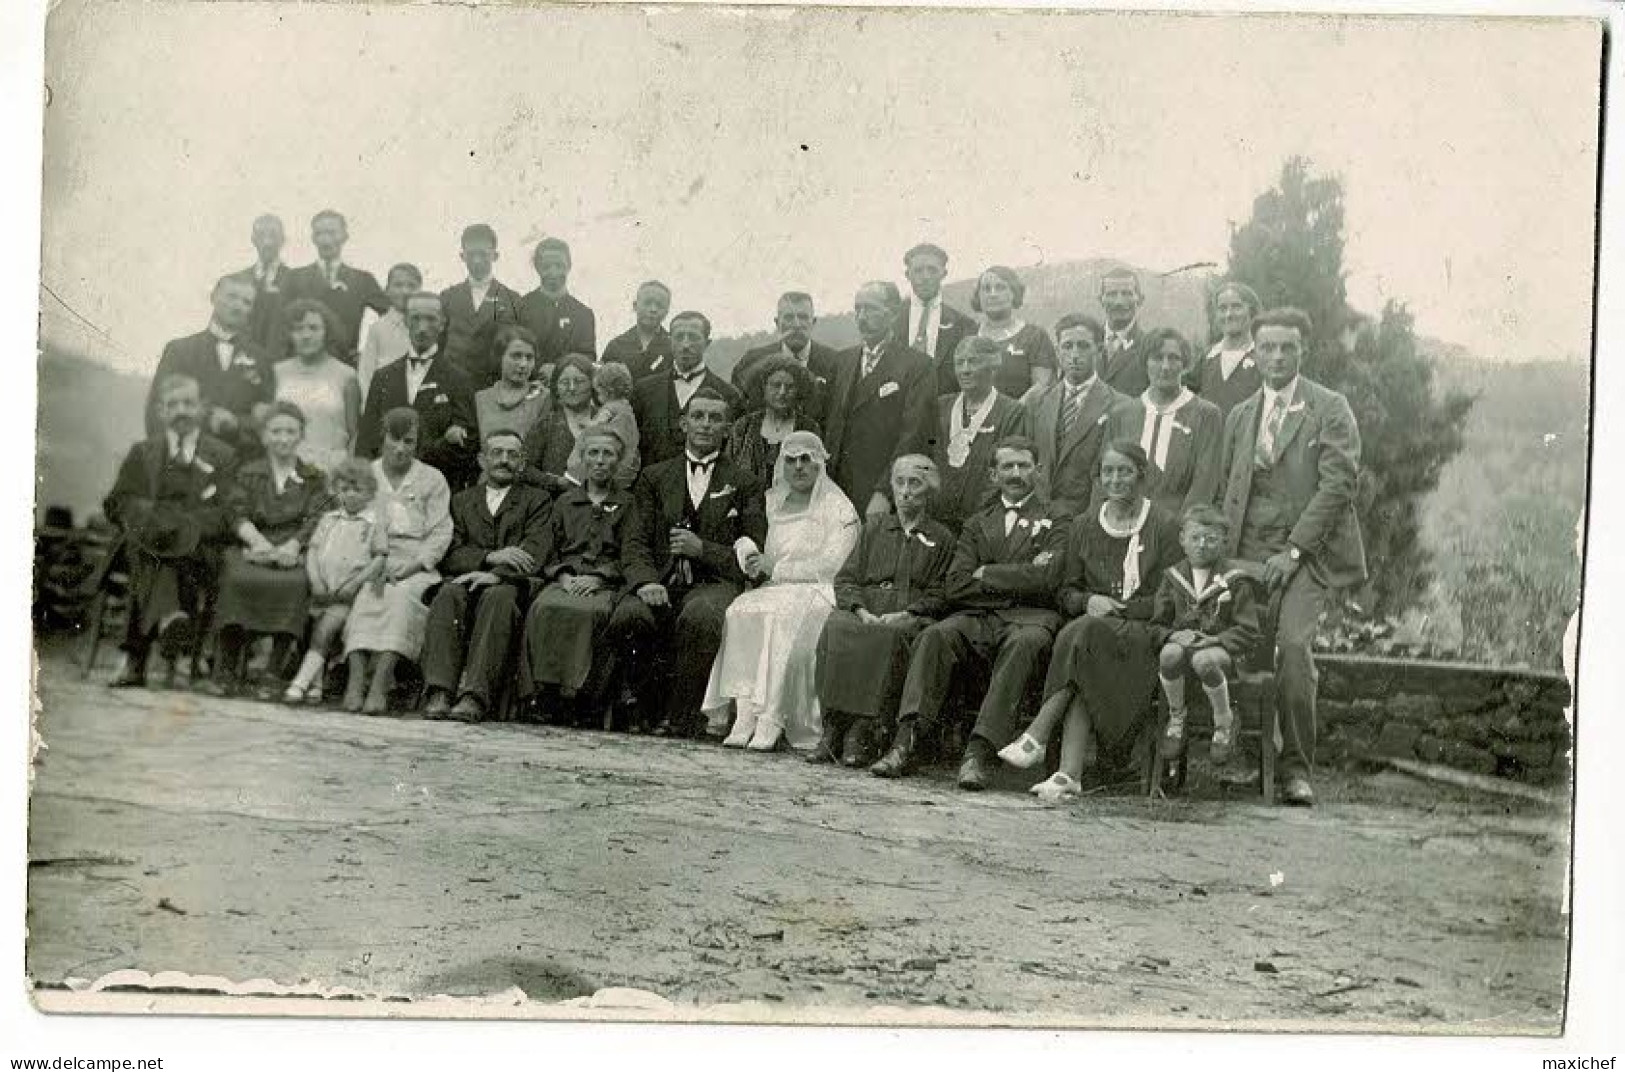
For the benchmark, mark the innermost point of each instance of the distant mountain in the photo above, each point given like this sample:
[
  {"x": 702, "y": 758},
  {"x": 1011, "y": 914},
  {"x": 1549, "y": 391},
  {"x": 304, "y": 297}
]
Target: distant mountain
[{"x": 89, "y": 414}]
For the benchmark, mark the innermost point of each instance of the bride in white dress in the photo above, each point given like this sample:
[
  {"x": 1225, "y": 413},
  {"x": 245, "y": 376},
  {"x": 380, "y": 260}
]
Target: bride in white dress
[{"x": 768, "y": 660}]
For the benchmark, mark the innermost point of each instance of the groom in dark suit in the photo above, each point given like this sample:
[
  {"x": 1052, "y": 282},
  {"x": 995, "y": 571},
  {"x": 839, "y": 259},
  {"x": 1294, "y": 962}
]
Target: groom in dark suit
[
  {"x": 682, "y": 563},
  {"x": 232, "y": 373},
  {"x": 1292, "y": 466},
  {"x": 882, "y": 394},
  {"x": 348, "y": 291},
  {"x": 433, "y": 386},
  {"x": 1070, "y": 418},
  {"x": 659, "y": 400}
]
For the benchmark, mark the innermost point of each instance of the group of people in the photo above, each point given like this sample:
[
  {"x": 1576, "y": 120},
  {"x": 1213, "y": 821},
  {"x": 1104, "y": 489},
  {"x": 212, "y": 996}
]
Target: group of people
[{"x": 833, "y": 551}]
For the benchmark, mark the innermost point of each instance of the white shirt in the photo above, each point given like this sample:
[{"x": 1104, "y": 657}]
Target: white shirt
[
  {"x": 387, "y": 342},
  {"x": 330, "y": 271},
  {"x": 699, "y": 482},
  {"x": 183, "y": 450},
  {"x": 281, "y": 477},
  {"x": 1069, "y": 392},
  {"x": 1230, "y": 360},
  {"x": 802, "y": 358},
  {"x": 931, "y": 312},
  {"x": 1012, "y": 511},
  {"x": 494, "y": 497},
  {"x": 871, "y": 359},
  {"x": 416, "y": 372},
  {"x": 224, "y": 348},
  {"x": 1200, "y": 578},
  {"x": 477, "y": 291},
  {"x": 265, "y": 274},
  {"x": 1120, "y": 338},
  {"x": 685, "y": 388}
]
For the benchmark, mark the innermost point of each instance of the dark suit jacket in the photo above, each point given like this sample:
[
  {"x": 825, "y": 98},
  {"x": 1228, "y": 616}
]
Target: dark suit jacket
[
  {"x": 733, "y": 507},
  {"x": 357, "y": 292},
  {"x": 265, "y": 320},
  {"x": 135, "y": 489},
  {"x": 955, "y": 326},
  {"x": 654, "y": 404},
  {"x": 567, "y": 327},
  {"x": 1019, "y": 573},
  {"x": 1124, "y": 371},
  {"x": 821, "y": 362},
  {"x": 471, "y": 332},
  {"x": 442, "y": 401},
  {"x": 1317, "y": 459},
  {"x": 966, "y": 489},
  {"x": 869, "y": 417},
  {"x": 1071, "y": 467},
  {"x": 628, "y": 349},
  {"x": 246, "y": 383},
  {"x": 521, "y": 521}
]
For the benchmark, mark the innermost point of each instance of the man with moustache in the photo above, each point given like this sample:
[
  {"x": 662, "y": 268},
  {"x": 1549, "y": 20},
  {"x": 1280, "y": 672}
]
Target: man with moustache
[
  {"x": 1122, "y": 366},
  {"x": 1001, "y": 588},
  {"x": 1071, "y": 417},
  {"x": 882, "y": 392},
  {"x": 645, "y": 347},
  {"x": 1292, "y": 466},
  {"x": 499, "y": 529},
  {"x": 169, "y": 501},
  {"x": 794, "y": 322},
  {"x": 348, "y": 291},
  {"x": 232, "y": 373},
  {"x": 477, "y": 307},
  {"x": 270, "y": 278},
  {"x": 931, "y": 326},
  {"x": 428, "y": 383},
  {"x": 659, "y": 400},
  {"x": 563, "y": 325},
  {"x": 695, "y": 516}
]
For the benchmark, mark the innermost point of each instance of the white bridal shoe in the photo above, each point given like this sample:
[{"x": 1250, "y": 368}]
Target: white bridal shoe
[{"x": 1023, "y": 752}]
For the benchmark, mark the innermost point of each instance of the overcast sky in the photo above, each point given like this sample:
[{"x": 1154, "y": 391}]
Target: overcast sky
[{"x": 736, "y": 154}]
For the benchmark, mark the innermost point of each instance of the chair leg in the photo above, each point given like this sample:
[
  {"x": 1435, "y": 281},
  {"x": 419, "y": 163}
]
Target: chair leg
[
  {"x": 1154, "y": 762},
  {"x": 1268, "y": 732},
  {"x": 93, "y": 619}
]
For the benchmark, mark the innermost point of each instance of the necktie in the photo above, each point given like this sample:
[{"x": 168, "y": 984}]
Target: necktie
[
  {"x": 1069, "y": 414},
  {"x": 1265, "y": 456},
  {"x": 921, "y": 339},
  {"x": 1117, "y": 341}
]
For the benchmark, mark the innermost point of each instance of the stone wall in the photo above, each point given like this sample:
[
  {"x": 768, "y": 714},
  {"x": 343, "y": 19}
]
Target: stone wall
[{"x": 1508, "y": 723}]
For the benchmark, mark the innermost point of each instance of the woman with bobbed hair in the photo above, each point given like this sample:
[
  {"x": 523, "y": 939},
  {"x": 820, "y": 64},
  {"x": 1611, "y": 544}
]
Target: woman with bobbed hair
[
  {"x": 780, "y": 390},
  {"x": 1181, "y": 434},
  {"x": 313, "y": 378},
  {"x": 1028, "y": 359},
  {"x": 516, "y": 401},
  {"x": 887, "y": 593}
]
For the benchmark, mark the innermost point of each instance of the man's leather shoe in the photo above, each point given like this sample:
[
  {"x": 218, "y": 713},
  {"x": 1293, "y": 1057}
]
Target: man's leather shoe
[
  {"x": 899, "y": 759},
  {"x": 1297, "y": 791},
  {"x": 859, "y": 748},
  {"x": 976, "y": 769},
  {"x": 828, "y": 748}
]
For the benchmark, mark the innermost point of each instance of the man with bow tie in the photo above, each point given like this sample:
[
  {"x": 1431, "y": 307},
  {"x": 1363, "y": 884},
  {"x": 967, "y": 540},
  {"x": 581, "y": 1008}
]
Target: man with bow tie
[
  {"x": 1122, "y": 366},
  {"x": 432, "y": 385},
  {"x": 1071, "y": 417},
  {"x": 1292, "y": 465},
  {"x": 499, "y": 532},
  {"x": 882, "y": 394},
  {"x": 562, "y": 324},
  {"x": 659, "y": 399},
  {"x": 931, "y": 326},
  {"x": 645, "y": 347},
  {"x": 348, "y": 291},
  {"x": 270, "y": 278},
  {"x": 232, "y": 373},
  {"x": 695, "y": 517},
  {"x": 1001, "y": 586},
  {"x": 477, "y": 307},
  {"x": 793, "y": 321},
  {"x": 169, "y": 503}
]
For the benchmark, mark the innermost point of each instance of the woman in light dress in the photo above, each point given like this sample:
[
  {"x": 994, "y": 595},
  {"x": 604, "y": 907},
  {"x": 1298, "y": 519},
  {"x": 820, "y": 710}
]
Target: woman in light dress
[
  {"x": 388, "y": 619},
  {"x": 324, "y": 388},
  {"x": 768, "y": 660}
]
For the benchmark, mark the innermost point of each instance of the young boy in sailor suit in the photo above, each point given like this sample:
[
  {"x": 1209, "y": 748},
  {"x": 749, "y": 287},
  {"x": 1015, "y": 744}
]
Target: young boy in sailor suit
[{"x": 1208, "y": 604}]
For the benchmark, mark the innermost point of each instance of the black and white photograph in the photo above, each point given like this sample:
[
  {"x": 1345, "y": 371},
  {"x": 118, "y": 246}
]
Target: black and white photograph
[{"x": 887, "y": 517}]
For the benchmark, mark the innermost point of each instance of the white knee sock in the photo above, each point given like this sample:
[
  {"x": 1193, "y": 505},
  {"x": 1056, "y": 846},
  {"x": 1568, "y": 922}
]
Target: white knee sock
[
  {"x": 309, "y": 669},
  {"x": 1218, "y": 697},
  {"x": 1174, "y": 689}
]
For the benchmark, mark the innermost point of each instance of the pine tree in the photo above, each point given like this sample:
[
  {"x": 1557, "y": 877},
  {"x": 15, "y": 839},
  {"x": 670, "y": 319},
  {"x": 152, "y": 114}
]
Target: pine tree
[{"x": 1291, "y": 252}]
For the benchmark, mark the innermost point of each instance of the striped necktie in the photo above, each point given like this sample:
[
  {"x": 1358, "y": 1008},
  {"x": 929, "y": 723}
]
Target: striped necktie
[
  {"x": 1069, "y": 413},
  {"x": 1267, "y": 433},
  {"x": 921, "y": 337}
]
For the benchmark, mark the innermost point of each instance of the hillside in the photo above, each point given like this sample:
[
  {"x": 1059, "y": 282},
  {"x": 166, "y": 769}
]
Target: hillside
[{"x": 89, "y": 414}]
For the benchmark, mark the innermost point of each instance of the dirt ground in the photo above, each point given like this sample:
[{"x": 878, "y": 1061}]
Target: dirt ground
[{"x": 404, "y": 858}]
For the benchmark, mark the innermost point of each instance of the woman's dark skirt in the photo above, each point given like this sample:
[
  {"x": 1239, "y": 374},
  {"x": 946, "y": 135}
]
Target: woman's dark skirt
[
  {"x": 262, "y": 599},
  {"x": 564, "y": 636},
  {"x": 1113, "y": 665},
  {"x": 862, "y": 665}
]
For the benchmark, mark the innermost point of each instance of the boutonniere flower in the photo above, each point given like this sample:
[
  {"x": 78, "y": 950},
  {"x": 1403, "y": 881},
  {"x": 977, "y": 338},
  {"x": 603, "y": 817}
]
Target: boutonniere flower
[
  {"x": 338, "y": 284},
  {"x": 657, "y": 362},
  {"x": 1104, "y": 417},
  {"x": 208, "y": 492},
  {"x": 1043, "y": 558},
  {"x": 1021, "y": 523},
  {"x": 242, "y": 360},
  {"x": 430, "y": 386},
  {"x": 1181, "y": 428},
  {"x": 888, "y": 388},
  {"x": 1296, "y": 407},
  {"x": 535, "y": 389},
  {"x": 733, "y": 511},
  {"x": 202, "y": 466},
  {"x": 564, "y": 323},
  {"x": 1041, "y": 524},
  {"x": 610, "y": 508},
  {"x": 1017, "y": 352},
  {"x": 1247, "y": 362}
]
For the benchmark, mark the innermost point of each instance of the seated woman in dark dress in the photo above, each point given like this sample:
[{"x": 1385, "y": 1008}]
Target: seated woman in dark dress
[
  {"x": 1103, "y": 671},
  {"x": 786, "y": 390},
  {"x": 563, "y": 652},
  {"x": 272, "y": 510},
  {"x": 887, "y": 593}
]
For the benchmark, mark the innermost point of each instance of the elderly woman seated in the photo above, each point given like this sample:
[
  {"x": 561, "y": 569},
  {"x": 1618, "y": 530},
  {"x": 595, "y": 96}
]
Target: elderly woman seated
[
  {"x": 768, "y": 658},
  {"x": 889, "y": 590}
]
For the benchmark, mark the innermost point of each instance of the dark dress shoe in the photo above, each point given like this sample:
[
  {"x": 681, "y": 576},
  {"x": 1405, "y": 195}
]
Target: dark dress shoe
[
  {"x": 899, "y": 759},
  {"x": 859, "y": 748},
  {"x": 828, "y": 748},
  {"x": 1298, "y": 792},
  {"x": 975, "y": 770},
  {"x": 438, "y": 705}
]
